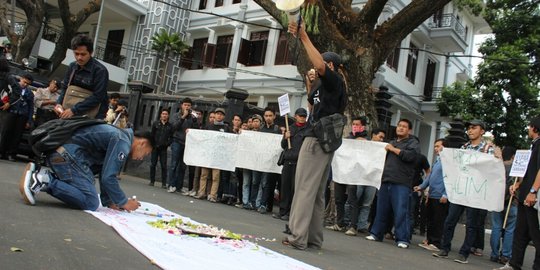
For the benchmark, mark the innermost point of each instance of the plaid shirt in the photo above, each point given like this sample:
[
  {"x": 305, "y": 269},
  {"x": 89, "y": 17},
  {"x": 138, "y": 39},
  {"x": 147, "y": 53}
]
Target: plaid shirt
[{"x": 481, "y": 147}]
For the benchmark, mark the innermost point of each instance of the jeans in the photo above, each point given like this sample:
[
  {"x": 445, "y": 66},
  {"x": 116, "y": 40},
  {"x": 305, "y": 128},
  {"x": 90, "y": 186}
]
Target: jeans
[
  {"x": 260, "y": 179},
  {"x": 436, "y": 213},
  {"x": 160, "y": 154},
  {"x": 474, "y": 229},
  {"x": 246, "y": 186},
  {"x": 526, "y": 231},
  {"x": 73, "y": 183},
  {"x": 507, "y": 234},
  {"x": 454, "y": 213},
  {"x": 177, "y": 168},
  {"x": 360, "y": 200},
  {"x": 414, "y": 209},
  {"x": 395, "y": 198}
]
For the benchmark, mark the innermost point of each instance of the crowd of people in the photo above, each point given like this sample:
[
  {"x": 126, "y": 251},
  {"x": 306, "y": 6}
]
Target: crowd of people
[{"x": 411, "y": 199}]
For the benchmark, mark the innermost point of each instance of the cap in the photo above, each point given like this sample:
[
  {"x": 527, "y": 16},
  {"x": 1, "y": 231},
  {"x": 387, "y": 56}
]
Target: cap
[
  {"x": 301, "y": 112},
  {"x": 476, "y": 122},
  {"x": 219, "y": 110},
  {"x": 257, "y": 116},
  {"x": 332, "y": 57},
  {"x": 123, "y": 102}
]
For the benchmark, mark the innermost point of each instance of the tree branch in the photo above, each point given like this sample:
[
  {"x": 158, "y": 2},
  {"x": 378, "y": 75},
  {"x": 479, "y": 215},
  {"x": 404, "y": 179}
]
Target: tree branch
[
  {"x": 83, "y": 14},
  {"x": 369, "y": 15}
]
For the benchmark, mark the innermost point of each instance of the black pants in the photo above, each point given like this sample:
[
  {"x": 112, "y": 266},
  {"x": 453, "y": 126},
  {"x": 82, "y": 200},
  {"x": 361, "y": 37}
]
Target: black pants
[
  {"x": 161, "y": 154},
  {"x": 526, "y": 230},
  {"x": 287, "y": 187},
  {"x": 436, "y": 214},
  {"x": 15, "y": 129},
  {"x": 340, "y": 197},
  {"x": 268, "y": 192}
]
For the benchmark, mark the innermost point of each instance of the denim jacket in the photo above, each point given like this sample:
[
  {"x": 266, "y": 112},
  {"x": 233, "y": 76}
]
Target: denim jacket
[
  {"x": 104, "y": 149},
  {"x": 24, "y": 103}
]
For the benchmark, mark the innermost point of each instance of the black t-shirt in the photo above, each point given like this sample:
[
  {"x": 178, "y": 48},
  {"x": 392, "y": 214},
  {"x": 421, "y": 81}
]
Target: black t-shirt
[
  {"x": 328, "y": 95},
  {"x": 532, "y": 170},
  {"x": 422, "y": 164}
]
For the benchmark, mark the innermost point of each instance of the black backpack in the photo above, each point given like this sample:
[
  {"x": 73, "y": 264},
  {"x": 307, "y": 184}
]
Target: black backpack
[{"x": 54, "y": 133}]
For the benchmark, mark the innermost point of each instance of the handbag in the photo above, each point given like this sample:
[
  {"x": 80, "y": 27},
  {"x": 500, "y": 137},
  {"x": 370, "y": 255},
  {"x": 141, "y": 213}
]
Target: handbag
[
  {"x": 75, "y": 94},
  {"x": 329, "y": 131},
  {"x": 281, "y": 158}
]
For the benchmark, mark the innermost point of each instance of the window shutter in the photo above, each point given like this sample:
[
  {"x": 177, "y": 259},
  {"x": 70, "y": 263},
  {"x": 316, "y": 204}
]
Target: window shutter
[
  {"x": 243, "y": 54},
  {"x": 209, "y": 54}
]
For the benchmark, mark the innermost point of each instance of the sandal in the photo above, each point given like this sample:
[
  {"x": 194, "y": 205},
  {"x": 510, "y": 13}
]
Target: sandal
[{"x": 288, "y": 243}]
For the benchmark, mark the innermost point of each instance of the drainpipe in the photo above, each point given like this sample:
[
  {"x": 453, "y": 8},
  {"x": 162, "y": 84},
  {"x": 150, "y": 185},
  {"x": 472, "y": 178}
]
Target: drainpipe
[
  {"x": 446, "y": 66},
  {"x": 98, "y": 24},
  {"x": 236, "y": 46}
]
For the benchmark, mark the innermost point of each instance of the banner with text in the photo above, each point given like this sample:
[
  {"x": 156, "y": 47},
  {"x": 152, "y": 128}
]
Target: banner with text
[
  {"x": 359, "y": 162},
  {"x": 258, "y": 151},
  {"x": 210, "y": 149},
  {"x": 520, "y": 163},
  {"x": 474, "y": 179}
]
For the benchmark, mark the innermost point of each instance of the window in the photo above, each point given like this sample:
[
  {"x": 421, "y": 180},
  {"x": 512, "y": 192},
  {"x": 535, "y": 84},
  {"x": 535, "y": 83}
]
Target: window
[
  {"x": 219, "y": 3},
  {"x": 412, "y": 61},
  {"x": 282, "y": 53},
  {"x": 202, "y": 4},
  {"x": 151, "y": 116},
  {"x": 195, "y": 56},
  {"x": 393, "y": 59},
  {"x": 253, "y": 51},
  {"x": 236, "y": 1},
  {"x": 223, "y": 51}
]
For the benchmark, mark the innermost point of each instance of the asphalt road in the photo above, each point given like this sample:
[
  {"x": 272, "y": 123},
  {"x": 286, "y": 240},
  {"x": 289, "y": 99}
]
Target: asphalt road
[{"x": 53, "y": 236}]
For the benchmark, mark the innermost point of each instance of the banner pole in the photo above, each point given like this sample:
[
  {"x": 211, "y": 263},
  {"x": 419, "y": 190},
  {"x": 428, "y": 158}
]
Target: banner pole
[
  {"x": 509, "y": 204},
  {"x": 287, "y": 130}
]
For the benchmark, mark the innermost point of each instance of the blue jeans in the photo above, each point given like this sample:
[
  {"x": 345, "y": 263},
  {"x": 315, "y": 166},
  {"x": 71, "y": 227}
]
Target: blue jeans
[
  {"x": 474, "y": 227},
  {"x": 255, "y": 195},
  {"x": 177, "y": 168},
  {"x": 73, "y": 183},
  {"x": 360, "y": 199},
  {"x": 246, "y": 186},
  {"x": 395, "y": 198},
  {"x": 160, "y": 154},
  {"x": 507, "y": 234}
]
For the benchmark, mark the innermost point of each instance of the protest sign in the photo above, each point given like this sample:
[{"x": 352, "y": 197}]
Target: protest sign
[
  {"x": 258, "y": 151},
  {"x": 520, "y": 163},
  {"x": 359, "y": 162},
  {"x": 210, "y": 149},
  {"x": 284, "y": 105},
  {"x": 474, "y": 179}
]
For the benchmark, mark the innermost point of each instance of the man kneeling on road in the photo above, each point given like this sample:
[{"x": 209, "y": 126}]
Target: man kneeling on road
[{"x": 98, "y": 149}]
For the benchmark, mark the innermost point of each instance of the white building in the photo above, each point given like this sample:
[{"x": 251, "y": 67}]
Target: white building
[{"x": 227, "y": 53}]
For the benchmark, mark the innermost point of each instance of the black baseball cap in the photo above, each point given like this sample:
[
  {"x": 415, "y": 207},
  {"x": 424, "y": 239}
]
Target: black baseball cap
[
  {"x": 476, "y": 122},
  {"x": 300, "y": 112}
]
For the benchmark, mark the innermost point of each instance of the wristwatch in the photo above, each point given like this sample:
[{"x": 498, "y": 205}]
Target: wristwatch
[{"x": 533, "y": 191}]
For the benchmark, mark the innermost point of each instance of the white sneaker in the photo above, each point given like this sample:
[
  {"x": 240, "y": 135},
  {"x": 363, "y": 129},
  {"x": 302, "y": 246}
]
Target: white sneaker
[
  {"x": 29, "y": 186},
  {"x": 371, "y": 238},
  {"x": 193, "y": 193},
  {"x": 171, "y": 189},
  {"x": 402, "y": 245},
  {"x": 505, "y": 267}
]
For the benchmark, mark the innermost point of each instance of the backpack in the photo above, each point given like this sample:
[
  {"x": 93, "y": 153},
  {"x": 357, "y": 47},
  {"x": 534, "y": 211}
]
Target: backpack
[
  {"x": 54, "y": 133},
  {"x": 329, "y": 131}
]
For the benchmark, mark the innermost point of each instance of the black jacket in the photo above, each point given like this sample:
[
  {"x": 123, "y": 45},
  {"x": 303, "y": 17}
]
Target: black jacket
[
  {"x": 162, "y": 134},
  {"x": 400, "y": 169},
  {"x": 532, "y": 170},
  {"x": 270, "y": 129},
  {"x": 297, "y": 138},
  {"x": 222, "y": 127},
  {"x": 180, "y": 125}
]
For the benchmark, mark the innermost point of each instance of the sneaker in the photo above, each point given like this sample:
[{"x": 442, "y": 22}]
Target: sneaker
[
  {"x": 212, "y": 199},
  {"x": 430, "y": 247},
  {"x": 200, "y": 197},
  {"x": 351, "y": 232},
  {"x": 477, "y": 252},
  {"x": 371, "y": 238},
  {"x": 441, "y": 254},
  {"x": 193, "y": 193},
  {"x": 262, "y": 209},
  {"x": 285, "y": 217},
  {"x": 185, "y": 193},
  {"x": 461, "y": 259},
  {"x": 171, "y": 189},
  {"x": 504, "y": 260},
  {"x": 335, "y": 227},
  {"x": 239, "y": 205},
  {"x": 151, "y": 183},
  {"x": 505, "y": 267},
  {"x": 402, "y": 245},
  {"x": 30, "y": 185}
]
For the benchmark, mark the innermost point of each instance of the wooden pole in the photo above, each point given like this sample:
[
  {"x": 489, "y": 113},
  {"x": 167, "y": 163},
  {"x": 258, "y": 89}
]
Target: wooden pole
[
  {"x": 509, "y": 204},
  {"x": 287, "y": 130}
]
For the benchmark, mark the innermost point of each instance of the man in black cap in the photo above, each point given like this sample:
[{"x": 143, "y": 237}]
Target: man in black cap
[
  {"x": 527, "y": 226},
  {"x": 296, "y": 135},
  {"x": 328, "y": 97}
]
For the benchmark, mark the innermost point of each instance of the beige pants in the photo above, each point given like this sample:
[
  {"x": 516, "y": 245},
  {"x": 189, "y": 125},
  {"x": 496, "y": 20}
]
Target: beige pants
[
  {"x": 307, "y": 210},
  {"x": 215, "y": 182}
]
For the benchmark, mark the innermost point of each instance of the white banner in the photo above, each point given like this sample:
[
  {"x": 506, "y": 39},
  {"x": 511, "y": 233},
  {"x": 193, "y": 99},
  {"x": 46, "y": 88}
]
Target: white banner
[
  {"x": 474, "y": 179},
  {"x": 182, "y": 251},
  {"x": 520, "y": 163},
  {"x": 258, "y": 151},
  {"x": 210, "y": 149},
  {"x": 359, "y": 162}
]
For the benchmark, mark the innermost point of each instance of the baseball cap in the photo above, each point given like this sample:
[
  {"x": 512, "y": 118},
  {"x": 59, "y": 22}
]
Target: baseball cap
[
  {"x": 301, "y": 112},
  {"x": 220, "y": 110},
  {"x": 257, "y": 116},
  {"x": 476, "y": 122},
  {"x": 332, "y": 57}
]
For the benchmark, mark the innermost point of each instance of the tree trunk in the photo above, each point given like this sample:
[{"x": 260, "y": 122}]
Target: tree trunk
[
  {"x": 59, "y": 53},
  {"x": 160, "y": 90}
]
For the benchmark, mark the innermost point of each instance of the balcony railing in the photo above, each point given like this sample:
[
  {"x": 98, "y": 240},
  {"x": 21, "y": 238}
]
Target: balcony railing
[
  {"x": 432, "y": 94},
  {"x": 113, "y": 59},
  {"x": 448, "y": 21}
]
